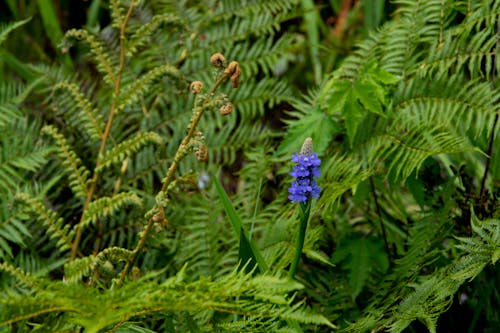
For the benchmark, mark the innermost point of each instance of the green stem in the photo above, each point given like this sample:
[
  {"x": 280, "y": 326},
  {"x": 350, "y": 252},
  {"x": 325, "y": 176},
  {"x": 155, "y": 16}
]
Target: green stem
[{"x": 305, "y": 209}]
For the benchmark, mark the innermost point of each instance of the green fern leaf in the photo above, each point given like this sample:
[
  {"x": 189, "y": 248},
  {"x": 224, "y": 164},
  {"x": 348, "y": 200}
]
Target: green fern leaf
[
  {"x": 97, "y": 47},
  {"x": 127, "y": 148},
  {"x": 89, "y": 117},
  {"x": 78, "y": 174},
  {"x": 107, "y": 206},
  {"x": 56, "y": 229},
  {"x": 6, "y": 29},
  {"x": 142, "y": 35},
  {"x": 133, "y": 92}
]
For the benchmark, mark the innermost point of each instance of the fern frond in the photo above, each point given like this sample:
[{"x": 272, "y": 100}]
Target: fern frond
[
  {"x": 229, "y": 8},
  {"x": 434, "y": 295},
  {"x": 341, "y": 176},
  {"x": 75, "y": 270},
  {"x": 56, "y": 228},
  {"x": 88, "y": 116},
  {"x": 19, "y": 274},
  {"x": 7, "y": 28},
  {"x": 454, "y": 102},
  {"x": 94, "y": 309},
  {"x": 252, "y": 100},
  {"x": 132, "y": 92},
  {"x": 117, "y": 12},
  {"x": 209, "y": 246},
  {"x": 142, "y": 35},
  {"x": 127, "y": 148},
  {"x": 264, "y": 54},
  {"x": 453, "y": 55},
  {"x": 8, "y": 112},
  {"x": 12, "y": 230},
  {"x": 102, "y": 58},
  {"x": 107, "y": 206},
  {"x": 405, "y": 153},
  {"x": 78, "y": 174},
  {"x": 240, "y": 28}
]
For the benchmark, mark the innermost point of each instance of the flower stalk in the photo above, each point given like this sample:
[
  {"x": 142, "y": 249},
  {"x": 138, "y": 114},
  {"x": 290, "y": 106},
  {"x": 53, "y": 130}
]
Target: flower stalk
[{"x": 303, "y": 190}]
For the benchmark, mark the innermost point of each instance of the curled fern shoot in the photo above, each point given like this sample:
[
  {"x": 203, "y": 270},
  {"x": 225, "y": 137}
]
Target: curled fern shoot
[{"x": 232, "y": 72}]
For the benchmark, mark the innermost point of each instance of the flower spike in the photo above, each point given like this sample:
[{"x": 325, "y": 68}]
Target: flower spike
[{"x": 305, "y": 187}]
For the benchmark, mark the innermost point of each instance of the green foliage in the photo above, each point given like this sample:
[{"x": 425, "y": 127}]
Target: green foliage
[
  {"x": 78, "y": 174},
  {"x": 131, "y": 200},
  {"x": 358, "y": 257},
  {"x": 6, "y": 29}
]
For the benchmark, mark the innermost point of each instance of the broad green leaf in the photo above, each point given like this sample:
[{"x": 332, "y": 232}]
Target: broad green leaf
[
  {"x": 367, "y": 94},
  {"x": 335, "y": 94},
  {"x": 353, "y": 113},
  {"x": 373, "y": 13},
  {"x": 317, "y": 125},
  {"x": 248, "y": 248}
]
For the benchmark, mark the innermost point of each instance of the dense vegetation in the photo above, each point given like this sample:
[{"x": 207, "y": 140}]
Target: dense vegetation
[{"x": 146, "y": 150}]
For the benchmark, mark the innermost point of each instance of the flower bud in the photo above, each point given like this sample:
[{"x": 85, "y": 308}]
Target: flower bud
[
  {"x": 307, "y": 147},
  {"x": 218, "y": 60},
  {"x": 196, "y": 87}
]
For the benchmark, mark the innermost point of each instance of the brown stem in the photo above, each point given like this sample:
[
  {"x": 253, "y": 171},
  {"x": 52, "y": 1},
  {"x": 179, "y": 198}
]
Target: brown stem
[
  {"x": 379, "y": 214},
  {"x": 341, "y": 21},
  {"x": 105, "y": 135},
  {"x": 160, "y": 216}
]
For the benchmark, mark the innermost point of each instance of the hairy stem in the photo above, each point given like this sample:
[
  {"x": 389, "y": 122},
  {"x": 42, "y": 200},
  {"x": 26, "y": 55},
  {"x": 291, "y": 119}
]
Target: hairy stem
[
  {"x": 305, "y": 209},
  {"x": 160, "y": 215},
  {"x": 379, "y": 214},
  {"x": 105, "y": 135}
]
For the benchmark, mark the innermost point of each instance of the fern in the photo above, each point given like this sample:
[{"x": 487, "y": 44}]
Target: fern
[
  {"x": 6, "y": 29},
  {"x": 107, "y": 206},
  {"x": 78, "y": 174},
  {"x": 87, "y": 115},
  {"x": 54, "y": 224},
  {"x": 260, "y": 295},
  {"x": 103, "y": 59},
  {"x": 127, "y": 147}
]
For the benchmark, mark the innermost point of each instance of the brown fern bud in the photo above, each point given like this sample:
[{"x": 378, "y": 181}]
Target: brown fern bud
[
  {"x": 196, "y": 87},
  {"x": 226, "y": 109},
  {"x": 218, "y": 60},
  {"x": 233, "y": 69},
  {"x": 202, "y": 153}
]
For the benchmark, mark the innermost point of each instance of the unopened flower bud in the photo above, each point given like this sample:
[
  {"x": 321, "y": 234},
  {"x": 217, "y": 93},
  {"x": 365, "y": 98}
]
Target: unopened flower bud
[
  {"x": 307, "y": 147},
  {"x": 196, "y": 87},
  {"x": 226, "y": 109},
  {"x": 218, "y": 60}
]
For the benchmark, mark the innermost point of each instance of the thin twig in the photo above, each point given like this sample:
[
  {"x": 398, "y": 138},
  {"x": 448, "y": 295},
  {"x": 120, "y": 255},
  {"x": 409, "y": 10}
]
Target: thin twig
[
  {"x": 379, "y": 214},
  {"x": 105, "y": 135}
]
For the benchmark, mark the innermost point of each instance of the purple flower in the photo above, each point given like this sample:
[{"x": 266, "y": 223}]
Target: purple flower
[{"x": 304, "y": 187}]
